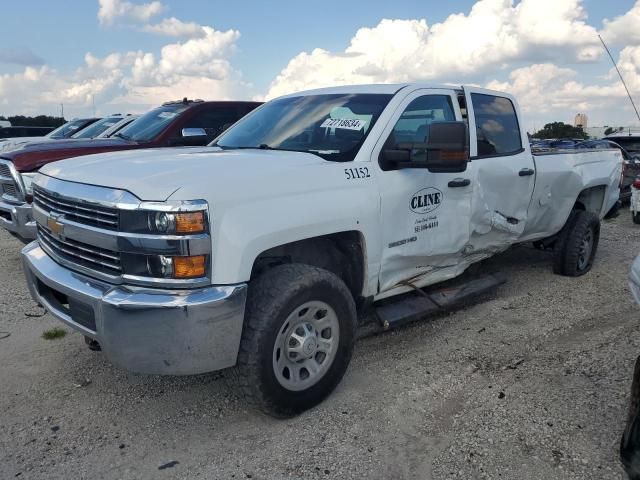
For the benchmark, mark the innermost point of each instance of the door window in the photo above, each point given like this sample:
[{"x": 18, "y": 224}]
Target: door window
[
  {"x": 497, "y": 128},
  {"x": 410, "y": 131},
  {"x": 214, "y": 121}
]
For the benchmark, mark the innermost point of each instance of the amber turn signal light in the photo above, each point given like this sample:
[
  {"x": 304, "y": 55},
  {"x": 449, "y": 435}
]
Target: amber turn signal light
[
  {"x": 189, "y": 267},
  {"x": 192, "y": 222}
]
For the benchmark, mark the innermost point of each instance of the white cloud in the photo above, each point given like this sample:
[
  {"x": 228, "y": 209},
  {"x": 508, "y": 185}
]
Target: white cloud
[
  {"x": 111, "y": 10},
  {"x": 624, "y": 29},
  {"x": 194, "y": 68},
  {"x": 493, "y": 34},
  {"x": 172, "y": 27},
  {"x": 547, "y": 92}
]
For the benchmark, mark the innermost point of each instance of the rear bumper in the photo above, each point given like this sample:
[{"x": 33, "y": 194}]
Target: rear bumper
[
  {"x": 141, "y": 329},
  {"x": 18, "y": 220}
]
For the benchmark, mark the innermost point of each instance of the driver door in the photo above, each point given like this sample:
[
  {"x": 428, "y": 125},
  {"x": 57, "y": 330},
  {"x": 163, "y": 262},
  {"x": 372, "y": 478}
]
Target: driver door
[{"x": 425, "y": 215}]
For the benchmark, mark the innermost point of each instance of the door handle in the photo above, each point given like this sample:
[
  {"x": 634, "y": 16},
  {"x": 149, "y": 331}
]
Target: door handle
[
  {"x": 459, "y": 182},
  {"x": 525, "y": 172}
]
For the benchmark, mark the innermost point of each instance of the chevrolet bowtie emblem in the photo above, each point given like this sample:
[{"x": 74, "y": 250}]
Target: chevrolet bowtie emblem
[{"x": 55, "y": 226}]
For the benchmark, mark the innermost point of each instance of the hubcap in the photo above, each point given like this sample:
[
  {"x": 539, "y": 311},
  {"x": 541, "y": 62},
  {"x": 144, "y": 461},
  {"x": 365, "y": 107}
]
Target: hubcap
[
  {"x": 584, "y": 252},
  {"x": 306, "y": 345}
]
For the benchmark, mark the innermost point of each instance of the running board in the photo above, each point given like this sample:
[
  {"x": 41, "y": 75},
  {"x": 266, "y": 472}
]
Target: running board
[{"x": 423, "y": 303}]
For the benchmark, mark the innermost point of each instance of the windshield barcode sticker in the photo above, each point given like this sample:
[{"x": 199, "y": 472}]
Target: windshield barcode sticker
[{"x": 346, "y": 123}]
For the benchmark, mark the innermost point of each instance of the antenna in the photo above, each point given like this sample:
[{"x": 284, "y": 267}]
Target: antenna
[{"x": 620, "y": 75}]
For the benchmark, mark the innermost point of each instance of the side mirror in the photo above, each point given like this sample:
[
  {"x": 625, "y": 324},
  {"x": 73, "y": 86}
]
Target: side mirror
[
  {"x": 445, "y": 150},
  {"x": 447, "y": 147},
  {"x": 192, "y": 137},
  {"x": 391, "y": 159}
]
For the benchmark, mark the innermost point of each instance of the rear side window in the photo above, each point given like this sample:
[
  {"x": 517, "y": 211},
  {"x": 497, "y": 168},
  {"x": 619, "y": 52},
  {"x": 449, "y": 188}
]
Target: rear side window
[
  {"x": 215, "y": 120},
  {"x": 497, "y": 128}
]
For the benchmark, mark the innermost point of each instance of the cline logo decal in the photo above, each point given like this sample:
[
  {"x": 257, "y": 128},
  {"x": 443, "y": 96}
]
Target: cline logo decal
[{"x": 426, "y": 200}]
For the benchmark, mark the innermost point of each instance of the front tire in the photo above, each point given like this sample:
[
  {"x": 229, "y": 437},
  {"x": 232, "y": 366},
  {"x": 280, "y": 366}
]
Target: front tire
[
  {"x": 297, "y": 340},
  {"x": 635, "y": 216},
  {"x": 577, "y": 244}
]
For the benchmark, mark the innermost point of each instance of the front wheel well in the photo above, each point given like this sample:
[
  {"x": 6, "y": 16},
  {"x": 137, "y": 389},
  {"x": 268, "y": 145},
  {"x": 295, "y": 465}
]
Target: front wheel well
[{"x": 340, "y": 253}]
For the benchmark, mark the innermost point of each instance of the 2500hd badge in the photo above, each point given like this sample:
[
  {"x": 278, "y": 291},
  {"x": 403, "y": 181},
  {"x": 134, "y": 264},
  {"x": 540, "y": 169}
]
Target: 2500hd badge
[{"x": 425, "y": 200}]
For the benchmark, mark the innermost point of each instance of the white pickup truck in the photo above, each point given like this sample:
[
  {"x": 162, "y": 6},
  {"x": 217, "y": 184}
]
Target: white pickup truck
[{"x": 262, "y": 250}]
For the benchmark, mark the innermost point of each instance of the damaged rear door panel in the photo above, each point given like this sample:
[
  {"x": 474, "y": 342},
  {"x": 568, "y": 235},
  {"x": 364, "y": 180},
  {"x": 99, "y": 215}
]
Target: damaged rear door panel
[{"x": 503, "y": 169}]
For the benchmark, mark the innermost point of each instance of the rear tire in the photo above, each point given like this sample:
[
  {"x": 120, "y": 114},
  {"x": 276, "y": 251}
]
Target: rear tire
[
  {"x": 577, "y": 244},
  {"x": 297, "y": 340},
  {"x": 635, "y": 216}
]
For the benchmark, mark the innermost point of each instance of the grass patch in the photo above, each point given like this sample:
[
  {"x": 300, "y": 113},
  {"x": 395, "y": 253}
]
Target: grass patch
[{"x": 54, "y": 333}]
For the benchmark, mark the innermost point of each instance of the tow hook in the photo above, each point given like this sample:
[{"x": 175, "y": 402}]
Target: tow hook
[{"x": 92, "y": 344}]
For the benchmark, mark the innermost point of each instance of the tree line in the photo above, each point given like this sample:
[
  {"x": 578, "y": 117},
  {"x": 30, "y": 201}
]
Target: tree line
[
  {"x": 38, "y": 121},
  {"x": 560, "y": 130}
]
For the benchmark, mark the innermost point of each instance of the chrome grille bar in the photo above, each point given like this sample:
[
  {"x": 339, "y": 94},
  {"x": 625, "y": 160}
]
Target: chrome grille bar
[
  {"x": 81, "y": 253},
  {"x": 5, "y": 171},
  {"x": 82, "y": 213}
]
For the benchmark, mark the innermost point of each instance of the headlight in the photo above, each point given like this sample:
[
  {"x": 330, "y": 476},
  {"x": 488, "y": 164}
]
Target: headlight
[
  {"x": 163, "y": 223},
  {"x": 171, "y": 223},
  {"x": 27, "y": 181}
]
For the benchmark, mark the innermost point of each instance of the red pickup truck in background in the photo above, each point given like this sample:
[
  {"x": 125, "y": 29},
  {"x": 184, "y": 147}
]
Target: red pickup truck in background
[{"x": 181, "y": 123}]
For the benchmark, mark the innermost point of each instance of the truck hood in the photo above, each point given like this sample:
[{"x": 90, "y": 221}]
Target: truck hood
[
  {"x": 156, "y": 174},
  {"x": 7, "y": 144},
  {"x": 31, "y": 156}
]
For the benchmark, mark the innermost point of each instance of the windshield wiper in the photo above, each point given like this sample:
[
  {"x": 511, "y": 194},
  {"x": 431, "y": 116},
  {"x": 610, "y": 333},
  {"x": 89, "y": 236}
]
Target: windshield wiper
[{"x": 264, "y": 146}]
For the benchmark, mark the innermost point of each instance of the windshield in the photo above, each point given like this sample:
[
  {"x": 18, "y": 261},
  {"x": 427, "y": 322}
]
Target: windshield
[
  {"x": 97, "y": 128},
  {"x": 330, "y": 126},
  {"x": 149, "y": 125},
  {"x": 69, "y": 128}
]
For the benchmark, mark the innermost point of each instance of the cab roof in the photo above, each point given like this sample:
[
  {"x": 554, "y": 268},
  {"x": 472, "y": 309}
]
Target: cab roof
[{"x": 383, "y": 88}]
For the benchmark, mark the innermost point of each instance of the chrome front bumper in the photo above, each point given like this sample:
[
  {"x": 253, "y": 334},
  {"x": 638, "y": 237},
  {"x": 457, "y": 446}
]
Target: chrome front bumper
[
  {"x": 18, "y": 220},
  {"x": 141, "y": 329}
]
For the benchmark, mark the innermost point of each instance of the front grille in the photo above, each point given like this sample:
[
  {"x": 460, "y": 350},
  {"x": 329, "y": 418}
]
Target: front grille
[
  {"x": 77, "y": 211},
  {"x": 5, "y": 171},
  {"x": 9, "y": 189},
  {"x": 95, "y": 258}
]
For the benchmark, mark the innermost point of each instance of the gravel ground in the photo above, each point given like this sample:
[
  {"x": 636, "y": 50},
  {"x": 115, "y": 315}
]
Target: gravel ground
[{"x": 529, "y": 384}]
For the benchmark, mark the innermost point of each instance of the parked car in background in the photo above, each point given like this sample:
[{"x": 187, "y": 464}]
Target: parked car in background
[
  {"x": 630, "y": 441},
  {"x": 631, "y": 162},
  {"x": 552, "y": 144},
  {"x": 181, "y": 123},
  {"x": 264, "y": 249},
  {"x": 112, "y": 130},
  {"x": 21, "y": 132},
  {"x": 634, "y": 202},
  {"x": 62, "y": 132},
  {"x": 630, "y": 142},
  {"x": 97, "y": 128}
]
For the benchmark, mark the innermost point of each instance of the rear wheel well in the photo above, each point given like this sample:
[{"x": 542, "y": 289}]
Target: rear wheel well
[
  {"x": 591, "y": 200},
  {"x": 340, "y": 253}
]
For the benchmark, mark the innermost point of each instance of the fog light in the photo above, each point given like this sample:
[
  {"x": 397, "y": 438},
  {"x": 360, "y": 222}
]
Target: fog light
[{"x": 189, "y": 267}]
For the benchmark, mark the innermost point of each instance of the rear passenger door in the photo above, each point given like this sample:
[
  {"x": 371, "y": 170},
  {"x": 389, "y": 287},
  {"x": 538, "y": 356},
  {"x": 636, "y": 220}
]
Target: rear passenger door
[{"x": 503, "y": 168}]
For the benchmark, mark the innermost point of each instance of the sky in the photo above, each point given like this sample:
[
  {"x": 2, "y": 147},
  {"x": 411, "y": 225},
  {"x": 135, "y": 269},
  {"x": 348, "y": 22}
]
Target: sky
[{"x": 126, "y": 56}]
